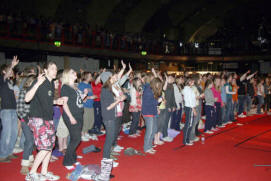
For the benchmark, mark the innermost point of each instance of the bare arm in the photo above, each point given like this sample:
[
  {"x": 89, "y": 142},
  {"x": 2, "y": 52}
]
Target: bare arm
[
  {"x": 31, "y": 93},
  {"x": 244, "y": 76},
  {"x": 118, "y": 99},
  {"x": 252, "y": 75},
  {"x": 122, "y": 70}
]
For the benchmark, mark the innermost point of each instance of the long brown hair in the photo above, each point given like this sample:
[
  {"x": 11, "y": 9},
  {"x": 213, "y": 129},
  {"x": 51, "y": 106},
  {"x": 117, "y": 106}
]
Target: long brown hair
[{"x": 156, "y": 86}]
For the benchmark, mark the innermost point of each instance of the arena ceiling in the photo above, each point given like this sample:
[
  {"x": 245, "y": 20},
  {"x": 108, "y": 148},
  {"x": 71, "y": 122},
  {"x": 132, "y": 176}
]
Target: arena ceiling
[{"x": 189, "y": 20}]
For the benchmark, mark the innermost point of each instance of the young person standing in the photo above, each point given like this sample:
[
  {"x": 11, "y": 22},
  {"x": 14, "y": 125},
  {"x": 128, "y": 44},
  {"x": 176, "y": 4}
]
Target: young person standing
[{"x": 41, "y": 95}]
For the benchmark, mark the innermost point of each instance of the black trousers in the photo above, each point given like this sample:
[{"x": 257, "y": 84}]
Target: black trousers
[{"x": 75, "y": 139}]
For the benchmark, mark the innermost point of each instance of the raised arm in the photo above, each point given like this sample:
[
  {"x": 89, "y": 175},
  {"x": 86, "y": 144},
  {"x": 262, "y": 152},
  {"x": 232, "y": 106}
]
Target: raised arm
[
  {"x": 14, "y": 62},
  {"x": 252, "y": 75},
  {"x": 122, "y": 70},
  {"x": 244, "y": 76}
]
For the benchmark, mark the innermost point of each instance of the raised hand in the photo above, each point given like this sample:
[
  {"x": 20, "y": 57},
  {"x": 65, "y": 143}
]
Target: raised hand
[
  {"x": 130, "y": 67},
  {"x": 15, "y": 61},
  {"x": 123, "y": 64},
  {"x": 41, "y": 79}
]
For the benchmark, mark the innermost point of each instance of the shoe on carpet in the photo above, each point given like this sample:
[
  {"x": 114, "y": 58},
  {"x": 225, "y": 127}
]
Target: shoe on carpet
[
  {"x": 168, "y": 139},
  {"x": 51, "y": 176},
  {"x": 70, "y": 167},
  {"x": 119, "y": 147},
  {"x": 24, "y": 170},
  {"x": 196, "y": 139},
  {"x": 150, "y": 151},
  {"x": 35, "y": 177},
  {"x": 115, "y": 164},
  {"x": 209, "y": 132},
  {"x": 189, "y": 144},
  {"x": 84, "y": 138},
  {"x": 17, "y": 150}
]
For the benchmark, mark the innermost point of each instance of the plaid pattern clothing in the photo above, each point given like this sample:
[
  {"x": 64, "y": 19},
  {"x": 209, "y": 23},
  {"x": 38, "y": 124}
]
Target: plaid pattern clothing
[{"x": 22, "y": 107}]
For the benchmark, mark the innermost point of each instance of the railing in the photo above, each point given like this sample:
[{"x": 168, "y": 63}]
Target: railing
[{"x": 102, "y": 40}]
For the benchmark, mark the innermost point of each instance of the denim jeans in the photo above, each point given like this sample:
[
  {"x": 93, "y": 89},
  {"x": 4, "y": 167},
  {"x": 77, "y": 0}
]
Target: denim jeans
[
  {"x": 110, "y": 127},
  {"x": 260, "y": 103},
  {"x": 241, "y": 102},
  {"x": 176, "y": 119},
  {"x": 151, "y": 127},
  {"x": 97, "y": 115},
  {"x": 135, "y": 121},
  {"x": 223, "y": 113},
  {"x": 9, "y": 132},
  {"x": 249, "y": 103},
  {"x": 210, "y": 115},
  {"x": 168, "y": 118},
  {"x": 229, "y": 111},
  {"x": 29, "y": 140},
  {"x": 195, "y": 122},
  {"x": 188, "y": 124},
  {"x": 218, "y": 114},
  {"x": 118, "y": 129}
]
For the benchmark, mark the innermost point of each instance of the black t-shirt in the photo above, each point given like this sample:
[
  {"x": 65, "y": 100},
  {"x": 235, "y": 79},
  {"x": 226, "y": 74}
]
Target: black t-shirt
[
  {"x": 41, "y": 106},
  {"x": 7, "y": 95},
  {"x": 75, "y": 103},
  {"x": 107, "y": 98},
  {"x": 242, "y": 86}
]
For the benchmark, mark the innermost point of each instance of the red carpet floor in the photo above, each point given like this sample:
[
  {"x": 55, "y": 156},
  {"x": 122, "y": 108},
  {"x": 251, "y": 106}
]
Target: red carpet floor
[{"x": 231, "y": 154}]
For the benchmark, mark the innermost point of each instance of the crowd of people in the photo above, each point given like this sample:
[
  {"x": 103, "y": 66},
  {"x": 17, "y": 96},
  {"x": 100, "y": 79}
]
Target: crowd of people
[
  {"x": 45, "y": 29},
  {"x": 70, "y": 107}
]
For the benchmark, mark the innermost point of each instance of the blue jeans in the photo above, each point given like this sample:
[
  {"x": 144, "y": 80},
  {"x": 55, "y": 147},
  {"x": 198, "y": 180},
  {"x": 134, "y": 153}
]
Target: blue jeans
[
  {"x": 97, "y": 115},
  {"x": 210, "y": 117},
  {"x": 249, "y": 103},
  {"x": 229, "y": 111},
  {"x": 9, "y": 132},
  {"x": 260, "y": 103},
  {"x": 241, "y": 102},
  {"x": 29, "y": 141},
  {"x": 218, "y": 114},
  {"x": 189, "y": 118},
  {"x": 151, "y": 127},
  {"x": 110, "y": 127},
  {"x": 135, "y": 121},
  {"x": 176, "y": 119},
  {"x": 165, "y": 128}
]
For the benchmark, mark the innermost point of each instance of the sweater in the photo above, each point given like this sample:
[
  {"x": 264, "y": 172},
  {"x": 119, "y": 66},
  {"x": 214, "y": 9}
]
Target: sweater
[
  {"x": 149, "y": 103},
  {"x": 209, "y": 97}
]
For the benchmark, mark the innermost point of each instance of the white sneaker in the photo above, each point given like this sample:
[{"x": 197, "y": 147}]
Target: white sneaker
[
  {"x": 84, "y": 138},
  {"x": 70, "y": 167},
  {"x": 79, "y": 157},
  {"x": 209, "y": 132},
  {"x": 34, "y": 177},
  {"x": 115, "y": 164},
  {"x": 168, "y": 139},
  {"x": 94, "y": 137},
  {"x": 119, "y": 147},
  {"x": 50, "y": 176},
  {"x": 17, "y": 150},
  {"x": 196, "y": 139}
]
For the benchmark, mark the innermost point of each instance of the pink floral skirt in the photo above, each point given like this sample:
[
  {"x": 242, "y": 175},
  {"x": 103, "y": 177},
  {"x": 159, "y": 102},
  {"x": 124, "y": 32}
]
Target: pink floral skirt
[{"x": 44, "y": 133}]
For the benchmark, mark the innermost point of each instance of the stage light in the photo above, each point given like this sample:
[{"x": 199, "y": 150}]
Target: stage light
[
  {"x": 181, "y": 44},
  {"x": 143, "y": 53},
  {"x": 196, "y": 45},
  {"x": 57, "y": 43}
]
